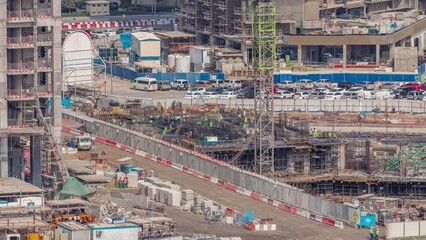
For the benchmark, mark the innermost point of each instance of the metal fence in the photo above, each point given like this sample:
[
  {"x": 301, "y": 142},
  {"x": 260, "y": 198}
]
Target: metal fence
[
  {"x": 273, "y": 190},
  {"x": 313, "y": 105}
]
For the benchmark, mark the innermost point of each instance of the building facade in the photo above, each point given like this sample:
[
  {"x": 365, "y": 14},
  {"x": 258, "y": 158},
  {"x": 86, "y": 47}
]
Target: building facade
[
  {"x": 30, "y": 73},
  {"x": 98, "y": 8}
]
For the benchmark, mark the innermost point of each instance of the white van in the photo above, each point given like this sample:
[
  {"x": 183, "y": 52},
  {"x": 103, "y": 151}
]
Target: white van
[
  {"x": 145, "y": 83},
  {"x": 232, "y": 83}
]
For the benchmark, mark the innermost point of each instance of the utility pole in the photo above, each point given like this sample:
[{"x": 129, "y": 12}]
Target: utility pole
[{"x": 264, "y": 62}]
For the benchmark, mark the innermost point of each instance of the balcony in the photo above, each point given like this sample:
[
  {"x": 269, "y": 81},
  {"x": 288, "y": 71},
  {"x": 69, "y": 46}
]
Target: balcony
[
  {"x": 20, "y": 42},
  {"x": 20, "y": 16},
  {"x": 44, "y": 65},
  {"x": 45, "y": 39},
  {"x": 20, "y": 68}
]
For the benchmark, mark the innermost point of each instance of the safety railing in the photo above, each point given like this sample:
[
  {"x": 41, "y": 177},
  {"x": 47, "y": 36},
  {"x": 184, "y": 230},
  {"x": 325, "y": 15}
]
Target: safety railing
[
  {"x": 20, "y": 41},
  {"x": 20, "y": 67},
  {"x": 44, "y": 64},
  {"x": 19, "y": 16},
  {"x": 44, "y": 38},
  {"x": 44, "y": 12}
]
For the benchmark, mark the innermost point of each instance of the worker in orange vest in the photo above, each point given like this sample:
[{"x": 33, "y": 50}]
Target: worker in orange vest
[{"x": 125, "y": 182}]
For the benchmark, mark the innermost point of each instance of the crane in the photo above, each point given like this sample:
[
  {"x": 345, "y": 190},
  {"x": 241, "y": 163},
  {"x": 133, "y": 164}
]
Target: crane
[{"x": 264, "y": 55}]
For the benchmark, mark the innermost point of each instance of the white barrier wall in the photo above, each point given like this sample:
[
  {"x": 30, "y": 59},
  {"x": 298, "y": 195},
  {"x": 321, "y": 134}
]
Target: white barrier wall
[{"x": 405, "y": 229}]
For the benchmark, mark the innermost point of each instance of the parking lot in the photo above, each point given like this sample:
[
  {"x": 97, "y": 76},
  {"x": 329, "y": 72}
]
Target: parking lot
[{"x": 166, "y": 98}]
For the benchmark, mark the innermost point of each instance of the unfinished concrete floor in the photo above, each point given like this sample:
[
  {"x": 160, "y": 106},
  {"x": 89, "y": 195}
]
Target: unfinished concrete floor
[{"x": 288, "y": 226}]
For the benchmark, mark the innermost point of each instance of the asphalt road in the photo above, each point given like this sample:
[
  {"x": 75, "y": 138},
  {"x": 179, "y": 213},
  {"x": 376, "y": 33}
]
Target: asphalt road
[{"x": 116, "y": 18}]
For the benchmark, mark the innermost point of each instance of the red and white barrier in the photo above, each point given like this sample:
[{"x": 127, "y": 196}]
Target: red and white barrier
[
  {"x": 254, "y": 195},
  {"x": 116, "y": 24}
]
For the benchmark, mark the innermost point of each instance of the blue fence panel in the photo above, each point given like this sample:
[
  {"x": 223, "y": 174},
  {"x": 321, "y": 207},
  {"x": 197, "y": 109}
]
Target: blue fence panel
[{"x": 348, "y": 77}]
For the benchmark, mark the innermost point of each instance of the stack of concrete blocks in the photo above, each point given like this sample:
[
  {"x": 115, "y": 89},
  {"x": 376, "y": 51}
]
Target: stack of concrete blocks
[
  {"x": 198, "y": 200},
  {"x": 264, "y": 226},
  {"x": 133, "y": 180},
  {"x": 161, "y": 191},
  {"x": 60, "y": 235},
  {"x": 187, "y": 199},
  {"x": 206, "y": 206}
]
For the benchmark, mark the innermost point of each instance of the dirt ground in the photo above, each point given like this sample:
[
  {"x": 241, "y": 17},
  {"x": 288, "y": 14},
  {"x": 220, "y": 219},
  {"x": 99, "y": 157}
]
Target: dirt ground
[{"x": 288, "y": 226}]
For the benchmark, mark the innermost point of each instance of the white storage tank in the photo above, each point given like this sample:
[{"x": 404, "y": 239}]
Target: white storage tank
[
  {"x": 200, "y": 57},
  {"x": 183, "y": 63},
  {"x": 171, "y": 61}
]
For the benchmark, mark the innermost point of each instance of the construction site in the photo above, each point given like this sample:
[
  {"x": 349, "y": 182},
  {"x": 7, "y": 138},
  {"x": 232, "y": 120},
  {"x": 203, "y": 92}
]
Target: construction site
[{"x": 85, "y": 155}]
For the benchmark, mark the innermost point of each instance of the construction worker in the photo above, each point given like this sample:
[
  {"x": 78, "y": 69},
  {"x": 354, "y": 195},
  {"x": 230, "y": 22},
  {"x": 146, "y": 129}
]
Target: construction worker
[
  {"x": 372, "y": 233},
  {"x": 374, "y": 154},
  {"x": 165, "y": 131},
  {"x": 376, "y": 233},
  {"x": 334, "y": 135},
  {"x": 120, "y": 183},
  {"x": 211, "y": 124},
  {"x": 125, "y": 182}
]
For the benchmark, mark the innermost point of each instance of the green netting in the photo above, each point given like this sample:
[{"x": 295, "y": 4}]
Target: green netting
[{"x": 73, "y": 187}]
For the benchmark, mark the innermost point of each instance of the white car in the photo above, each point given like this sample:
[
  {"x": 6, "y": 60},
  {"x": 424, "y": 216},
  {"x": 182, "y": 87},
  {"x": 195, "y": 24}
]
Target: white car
[
  {"x": 211, "y": 95},
  {"x": 317, "y": 95},
  {"x": 323, "y": 83},
  {"x": 193, "y": 95},
  {"x": 350, "y": 95},
  {"x": 301, "y": 95},
  {"x": 199, "y": 90},
  {"x": 340, "y": 90},
  {"x": 282, "y": 94},
  {"x": 384, "y": 95},
  {"x": 228, "y": 95},
  {"x": 110, "y": 32},
  {"x": 324, "y": 90},
  {"x": 333, "y": 95},
  {"x": 355, "y": 90},
  {"x": 98, "y": 34},
  {"x": 286, "y": 85},
  {"x": 305, "y": 84},
  {"x": 366, "y": 95}
]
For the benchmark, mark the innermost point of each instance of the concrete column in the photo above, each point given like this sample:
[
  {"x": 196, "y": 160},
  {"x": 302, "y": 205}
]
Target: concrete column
[
  {"x": 16, "y": 158},
  {"x": 377, "y": 54},
  {"x": 345, "y": 55},
  {"x": 307, "y": 164},
  {"x": 341, "y": 162},
  {"x": 299, "y": 54},
  {"x": 35, "y": 161},
  {"x": 57, "y": 74},
  {"x": 244, "y": 50},
  {"x": 4, "y": 162},
  {"x": 391, "y": 51},
  {"x": 4, "y": 168}
]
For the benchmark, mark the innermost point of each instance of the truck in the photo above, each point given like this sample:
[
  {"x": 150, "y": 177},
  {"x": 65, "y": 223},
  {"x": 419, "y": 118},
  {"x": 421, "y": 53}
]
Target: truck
[{"x": 84, "y": 142}]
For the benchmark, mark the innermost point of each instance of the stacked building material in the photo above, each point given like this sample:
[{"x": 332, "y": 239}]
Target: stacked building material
[
  {"x": 133, "y": 180},
  {"x": 198, "y": 200},
  {"x": 206, "y": 206}
]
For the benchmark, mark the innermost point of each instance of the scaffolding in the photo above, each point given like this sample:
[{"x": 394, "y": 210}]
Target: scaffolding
[
  {"x": 410, "y": 159},
  {"x": 264, "y": 62}
]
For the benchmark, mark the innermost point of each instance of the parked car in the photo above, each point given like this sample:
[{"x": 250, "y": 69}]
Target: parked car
[
  {"x": 124, "y": 30},
  {"x": 283, "y": 94},
  {"x": 340, "y": 90},
  {"x": 384, "y": 94},
  {"x": 193, "y": 95},
  {"x": 301, "y": 95},
  {"x": 163, "y": 85},
  {"x": 232, "y": 83},
  {"x": 180, "y": 84},
  {"x": 350, "y": 95},
  {"x": 325, "y": 90},
  {"x": 305, "y": 84},
  {"x": 415, "y": 95},
  {"x": 388, "y": 86},
  {"x": 98, "y": 34},
  {"x": 286, "y": 85},
  {"x": 211, "y": 95},
  {"x": 218, "y": 90},
  {"x": 402, "y": 92},
  {"x": 144, "y": 83},
  {"x": 234, "y": 89},
  {"x": 356, "y": 89},
  {"x": 333, "y": 95},
  {"x": 413, "y": 85},
  {"x": 113, "y": 6},
  {"x": 345, "y": 85},
  {"x": 198, "y": 89},
  {"x": 247, "y": 92},
  {"x": 317, "y": 95},
  {"x": 323, "y": 83},
  {"x": 110, "y": 32},
  {"x": 228, "y": 95},
  {"x": 217, "y": 83},
  {"x": 366, "y": 85},
  {"x": 247, "y": 83},
  {"x": 366, "y": 95}
]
